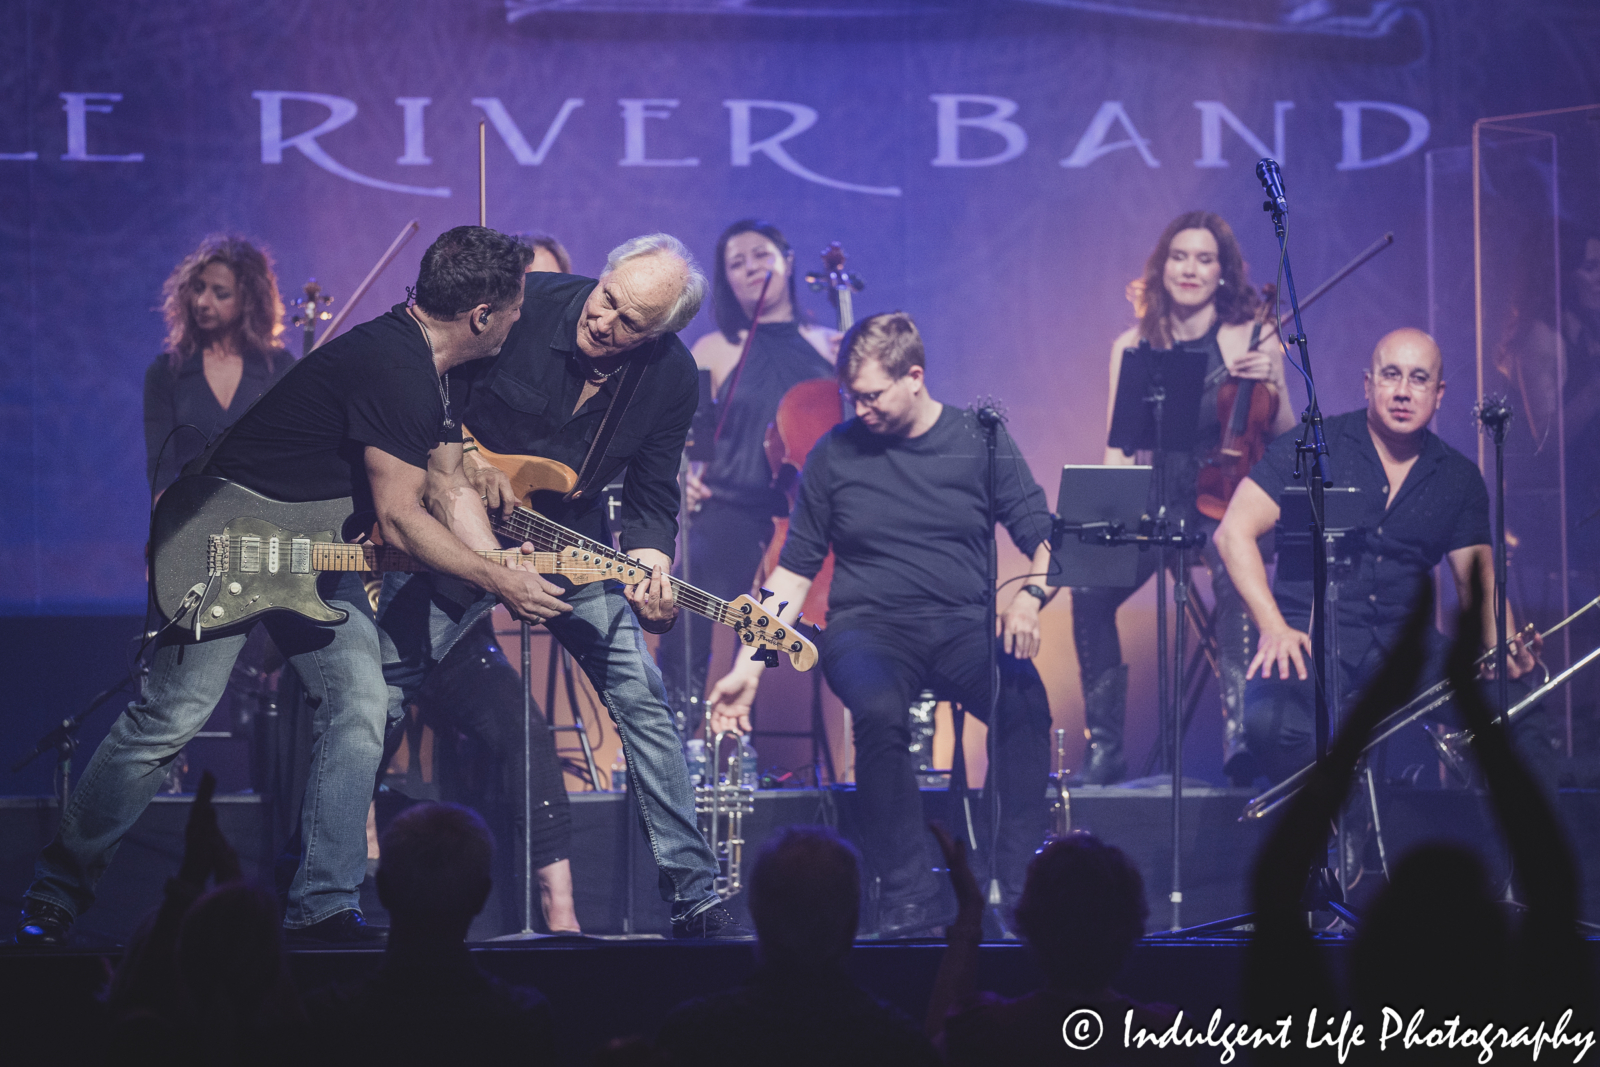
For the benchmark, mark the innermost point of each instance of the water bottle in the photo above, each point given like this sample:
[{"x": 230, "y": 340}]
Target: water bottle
[
  {"x": 695, "y": 756},
  {"x": 749, "y": 769},
  {"x": 619, "y": 773}
]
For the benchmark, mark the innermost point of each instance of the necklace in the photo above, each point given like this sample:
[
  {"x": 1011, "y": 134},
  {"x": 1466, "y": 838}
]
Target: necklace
[
  {"x": 443, "y": 380},
  {"x": 599, "y": 379}
]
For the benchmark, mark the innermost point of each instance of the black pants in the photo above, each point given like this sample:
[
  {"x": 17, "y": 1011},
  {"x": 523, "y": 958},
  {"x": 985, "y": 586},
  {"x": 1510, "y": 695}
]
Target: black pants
[
  {"x": 476, "y": 694},
  {"x": 1280, "y": 715},
  {"x": 726, "y": 543},
  {"x": 876, "y": 668}
]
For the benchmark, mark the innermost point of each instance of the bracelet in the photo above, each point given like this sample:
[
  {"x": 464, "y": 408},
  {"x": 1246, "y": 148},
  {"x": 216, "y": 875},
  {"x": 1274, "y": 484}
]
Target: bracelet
[
  {"x": 1034, "y": 590},
  {"x": 645, "y": 626}
]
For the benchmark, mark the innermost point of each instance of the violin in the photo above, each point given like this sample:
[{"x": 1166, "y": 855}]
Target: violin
[
  {"x": 1247, "y": 409},
  {"x": 806, "y": 412}
]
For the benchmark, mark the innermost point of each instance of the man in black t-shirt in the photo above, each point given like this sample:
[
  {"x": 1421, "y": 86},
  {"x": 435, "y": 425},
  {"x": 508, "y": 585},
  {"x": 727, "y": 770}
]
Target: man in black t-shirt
[
  {"x": 367, "y": 416},
  {"x": 899, "y": 493},
  {"x": 1420, "y": 501}
]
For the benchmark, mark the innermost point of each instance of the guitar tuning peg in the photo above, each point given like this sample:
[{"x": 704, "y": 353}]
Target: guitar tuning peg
[
  {"x": 781, "y": 605},
  {"x": 765, "y": 593}
]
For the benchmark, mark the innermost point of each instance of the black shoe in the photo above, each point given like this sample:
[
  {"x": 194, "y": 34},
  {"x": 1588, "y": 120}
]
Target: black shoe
[
  {"x": 1105, "y": 766},
  {"x": 906, "y": 922},
  {"x": 716, "y": 923},
  {"x": 347, "y": 928},
  {"x": 43, "y": 925}
]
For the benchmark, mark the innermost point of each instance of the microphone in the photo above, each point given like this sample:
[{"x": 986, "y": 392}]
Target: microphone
[
  {"x": 988, "y": 416},
  {"x": 1271, "y": 178}
]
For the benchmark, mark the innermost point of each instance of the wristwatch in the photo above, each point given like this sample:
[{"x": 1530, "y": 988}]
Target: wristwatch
[{"x": 1034, "y": 590}]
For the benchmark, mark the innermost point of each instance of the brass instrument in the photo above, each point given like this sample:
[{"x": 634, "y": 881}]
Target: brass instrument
[
  {"x": 720, "y": 806},
  {"x": 1061, "y": 800},
  {"x": 1429, "y": 699}
]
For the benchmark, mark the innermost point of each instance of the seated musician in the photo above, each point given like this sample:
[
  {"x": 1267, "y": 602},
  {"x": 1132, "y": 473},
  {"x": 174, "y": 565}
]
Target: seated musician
[
  {"x": 1195, "y": 295},
  {"x": 1420, "y": 501},
  {"x": 898, "y": 492},
  {"x": 733, "y": 496}
]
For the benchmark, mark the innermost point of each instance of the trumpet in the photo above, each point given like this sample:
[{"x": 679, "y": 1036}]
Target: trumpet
[
  {"x": 1428, "y": 700},
  {"x": 720, "y": 806}
]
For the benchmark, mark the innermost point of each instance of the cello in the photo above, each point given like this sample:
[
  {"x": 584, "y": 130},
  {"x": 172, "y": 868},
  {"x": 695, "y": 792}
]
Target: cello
[{"x": 806, "y": 412}]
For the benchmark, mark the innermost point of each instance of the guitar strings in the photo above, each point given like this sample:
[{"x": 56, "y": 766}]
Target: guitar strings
[{"x": 545, "y": 533}]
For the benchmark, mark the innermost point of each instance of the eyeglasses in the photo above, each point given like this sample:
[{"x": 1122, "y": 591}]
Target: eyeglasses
[
  {"x": 1391, "y": 377},
  {"x": 869, "y": 399}
]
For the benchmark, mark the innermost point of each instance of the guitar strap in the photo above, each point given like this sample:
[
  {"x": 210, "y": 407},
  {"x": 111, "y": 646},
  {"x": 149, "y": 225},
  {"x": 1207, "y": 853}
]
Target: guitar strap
[{"x": 627, "y": 386}]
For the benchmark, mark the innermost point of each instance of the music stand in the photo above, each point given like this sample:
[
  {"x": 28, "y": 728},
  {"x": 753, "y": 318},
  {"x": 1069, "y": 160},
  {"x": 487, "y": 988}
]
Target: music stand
[
  {"x": 1096, "y": 501},
  {"x": 1157, "y": 408}
]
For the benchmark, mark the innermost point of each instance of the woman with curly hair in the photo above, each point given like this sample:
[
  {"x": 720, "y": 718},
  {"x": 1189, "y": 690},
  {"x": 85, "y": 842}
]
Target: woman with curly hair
[
  {"x": 223, "y": 316},
  {"x": 1194, "y": 295}
]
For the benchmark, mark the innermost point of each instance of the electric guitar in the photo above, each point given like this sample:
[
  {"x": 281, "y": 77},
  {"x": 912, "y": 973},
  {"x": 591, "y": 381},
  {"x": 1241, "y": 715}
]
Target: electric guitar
[
  {"x": 223, "y": 555},
  {"x": 757, "y": 628}
]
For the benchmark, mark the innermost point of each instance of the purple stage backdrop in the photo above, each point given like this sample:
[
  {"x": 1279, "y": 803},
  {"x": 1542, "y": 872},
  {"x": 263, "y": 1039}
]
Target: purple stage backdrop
[{"x": 999, "y": 168}]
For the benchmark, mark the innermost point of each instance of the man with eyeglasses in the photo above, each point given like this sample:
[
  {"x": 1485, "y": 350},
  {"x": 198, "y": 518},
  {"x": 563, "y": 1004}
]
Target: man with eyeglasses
[
  {"x": 1420, "y": 501},
  {"x": 899, "y": 492}
]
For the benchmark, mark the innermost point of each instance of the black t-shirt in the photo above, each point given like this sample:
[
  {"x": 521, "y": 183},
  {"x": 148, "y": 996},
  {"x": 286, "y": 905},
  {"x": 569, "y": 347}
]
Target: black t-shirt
[
  {"x": 907, "y": 516},
  {"x": 306, "y": 438},
  {"x": 1443, "y": 505}
]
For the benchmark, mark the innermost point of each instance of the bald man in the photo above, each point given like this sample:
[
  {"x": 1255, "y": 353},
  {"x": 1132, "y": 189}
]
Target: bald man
[{"x": 1420, "y": 501}]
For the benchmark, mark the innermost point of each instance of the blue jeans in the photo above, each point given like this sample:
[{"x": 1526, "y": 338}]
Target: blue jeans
[
  {"x": 605, "y": 640},
  {"x": 340, "y": 667}
]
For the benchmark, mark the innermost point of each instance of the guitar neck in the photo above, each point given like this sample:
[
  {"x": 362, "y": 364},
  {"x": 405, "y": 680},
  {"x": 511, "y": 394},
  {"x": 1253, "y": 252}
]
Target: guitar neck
[
  {"x": 333, "y": 556},
  {"x": 525, "y": 524}
]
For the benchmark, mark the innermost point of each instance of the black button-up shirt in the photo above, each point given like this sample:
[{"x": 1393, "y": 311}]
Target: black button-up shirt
[
  {"x": 1442, "y": 505},
  {"x": 521, "y": 403}
]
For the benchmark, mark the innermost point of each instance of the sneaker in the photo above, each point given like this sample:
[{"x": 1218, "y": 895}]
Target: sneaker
[
  {"x": 347, "y": 928},
  {"x": 43, "y": 924},
  {"x": 716, "y": 923}
]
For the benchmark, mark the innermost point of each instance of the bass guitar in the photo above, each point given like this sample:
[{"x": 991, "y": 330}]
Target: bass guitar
[
  {"x": 757, "y": 628},
  {"x": 223, "y": 555}
]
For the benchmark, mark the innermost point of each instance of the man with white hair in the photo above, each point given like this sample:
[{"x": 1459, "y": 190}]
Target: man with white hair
[{"x": 595, "y": 377}]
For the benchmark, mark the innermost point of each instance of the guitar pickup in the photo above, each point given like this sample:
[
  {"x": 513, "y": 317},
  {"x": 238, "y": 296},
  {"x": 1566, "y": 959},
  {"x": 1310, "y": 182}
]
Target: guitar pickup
[
  {"x": 250, "y": 554},
  {"x": 300, "y": 555}
]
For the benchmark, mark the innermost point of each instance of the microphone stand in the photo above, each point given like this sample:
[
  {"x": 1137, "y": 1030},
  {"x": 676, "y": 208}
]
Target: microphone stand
[
  {"x": 1495, "y": 415},
  {"x": 990, "y": 418},
  {"x": 64, "y": 739},
  {"x": 1323, "y": 891}
]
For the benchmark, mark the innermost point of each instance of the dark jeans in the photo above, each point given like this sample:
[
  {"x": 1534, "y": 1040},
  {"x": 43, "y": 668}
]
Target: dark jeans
[
  {"x": 475, "y": 693},
  {"x": 726, "y": 543},
  {"x": 876, "y": 668},
  {"x": 1280, "y": 715}
]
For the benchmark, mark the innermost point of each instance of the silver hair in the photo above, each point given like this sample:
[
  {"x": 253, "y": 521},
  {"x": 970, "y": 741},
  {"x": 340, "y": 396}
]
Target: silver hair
[{"x": 687, "y": 306}]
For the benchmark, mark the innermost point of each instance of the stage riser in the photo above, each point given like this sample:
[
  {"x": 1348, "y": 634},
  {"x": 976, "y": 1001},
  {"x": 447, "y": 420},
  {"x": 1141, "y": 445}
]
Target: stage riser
[{"x": 612, "y": 899}]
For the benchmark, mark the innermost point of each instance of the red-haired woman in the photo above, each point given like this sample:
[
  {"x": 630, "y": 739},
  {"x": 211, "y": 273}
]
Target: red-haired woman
[{"x": 1195, "y": 294}]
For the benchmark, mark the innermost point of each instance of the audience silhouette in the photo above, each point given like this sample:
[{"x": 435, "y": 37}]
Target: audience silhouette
[
  {"x": 800, "y": 1007},
  {"x": 1435, "y": 938},
  {"x": 429, "y": 1003}
]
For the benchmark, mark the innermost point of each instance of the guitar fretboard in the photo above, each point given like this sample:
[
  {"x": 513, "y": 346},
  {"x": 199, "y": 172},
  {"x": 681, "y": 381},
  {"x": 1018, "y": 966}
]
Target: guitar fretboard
[
  {"x": 546, "y": 535},
  {"x": 330, "y": 556}
]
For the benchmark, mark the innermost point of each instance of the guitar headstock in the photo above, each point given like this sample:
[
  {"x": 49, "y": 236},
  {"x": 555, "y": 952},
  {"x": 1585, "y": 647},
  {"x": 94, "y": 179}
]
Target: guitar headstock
[{"x": 759, "y": 630}]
